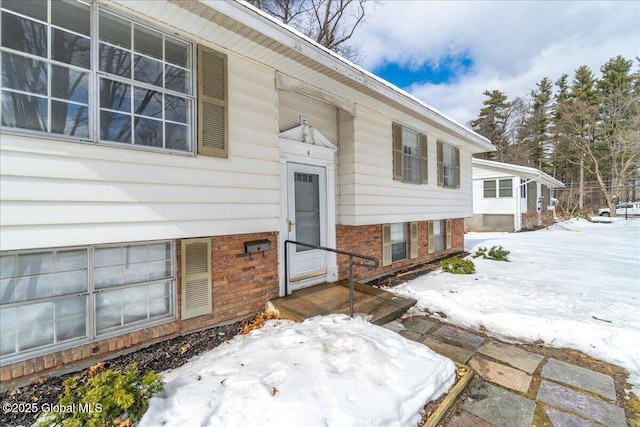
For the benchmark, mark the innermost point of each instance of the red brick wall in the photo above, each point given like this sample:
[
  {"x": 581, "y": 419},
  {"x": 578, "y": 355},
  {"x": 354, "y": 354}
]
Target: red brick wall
[
  {"x": 241, "y": 286},
  {"x": 241, "y": 283},
  {"x": 367, "y": 240}
]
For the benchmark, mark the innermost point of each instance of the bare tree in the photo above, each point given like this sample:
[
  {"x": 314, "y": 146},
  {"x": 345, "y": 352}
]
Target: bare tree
[
  {"x": 583, "y": 128},
  {"x": 331, "y": 23}
]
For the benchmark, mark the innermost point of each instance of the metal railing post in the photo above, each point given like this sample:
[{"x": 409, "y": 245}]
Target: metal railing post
[
  {"x": 372, "y": 266},
  {"x": 351, "y": 285}
]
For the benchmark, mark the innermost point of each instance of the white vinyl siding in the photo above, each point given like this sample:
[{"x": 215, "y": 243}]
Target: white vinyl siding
[
  {"x": 53, "y": 191},
  {"x": 369, "y": 195},
  {"x": 52, "y": 299}
]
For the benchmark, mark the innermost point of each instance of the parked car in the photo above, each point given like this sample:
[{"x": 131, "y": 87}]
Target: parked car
[{"x": 630, "y": 208}]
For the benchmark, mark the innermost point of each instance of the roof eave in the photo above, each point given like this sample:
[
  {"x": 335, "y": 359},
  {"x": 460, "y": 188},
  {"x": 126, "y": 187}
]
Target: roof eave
[{"x": 248, "y": 15}]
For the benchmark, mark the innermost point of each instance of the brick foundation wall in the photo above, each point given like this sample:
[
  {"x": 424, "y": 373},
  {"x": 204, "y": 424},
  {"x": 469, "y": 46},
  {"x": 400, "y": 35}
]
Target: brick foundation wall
[
  {"x": 367, "y": 240},
  {"x": 241, "y": 286}
]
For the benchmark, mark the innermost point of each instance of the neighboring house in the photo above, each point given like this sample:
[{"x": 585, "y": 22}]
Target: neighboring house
[
  {"x": 156, "y": 154},
  {"x": 509, "y": 197}
]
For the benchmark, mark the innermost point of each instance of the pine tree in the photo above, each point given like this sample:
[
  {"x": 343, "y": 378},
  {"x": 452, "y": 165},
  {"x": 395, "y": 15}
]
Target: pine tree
[{"x": 492, "y": 122}]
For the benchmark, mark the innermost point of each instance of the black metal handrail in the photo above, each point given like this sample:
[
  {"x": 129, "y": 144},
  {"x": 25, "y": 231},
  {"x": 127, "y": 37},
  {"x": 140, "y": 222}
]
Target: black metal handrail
[{"x": 372, "y": 266}]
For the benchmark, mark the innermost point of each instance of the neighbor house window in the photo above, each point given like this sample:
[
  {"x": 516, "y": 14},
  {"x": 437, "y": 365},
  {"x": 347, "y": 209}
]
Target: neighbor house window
[
  {"x": 523, "y": 189},
  {"x": 57, "y": 298},
  {"x": 505, "y": 188},
  {"x": 448, "y": 165},
  {"x": 132, "y": 84},
  {"x": 410, "y": 162},
  {"x": 498, "y": 188},
  {"x": 490, "y": 188}
]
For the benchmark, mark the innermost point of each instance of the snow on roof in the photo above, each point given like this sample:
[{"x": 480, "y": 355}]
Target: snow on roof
[{"x": 525, "y": 171}]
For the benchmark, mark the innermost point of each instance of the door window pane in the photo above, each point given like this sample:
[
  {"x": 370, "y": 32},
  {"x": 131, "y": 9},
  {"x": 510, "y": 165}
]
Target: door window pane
[{"x": 307, "y": 209}]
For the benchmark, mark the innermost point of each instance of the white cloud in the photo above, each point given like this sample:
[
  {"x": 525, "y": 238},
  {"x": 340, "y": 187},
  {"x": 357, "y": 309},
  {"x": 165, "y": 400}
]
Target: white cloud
[{"x": 513, "y": 44}]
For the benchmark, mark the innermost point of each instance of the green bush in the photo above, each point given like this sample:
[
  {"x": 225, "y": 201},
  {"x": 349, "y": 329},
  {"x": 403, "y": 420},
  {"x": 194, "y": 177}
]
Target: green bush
[
  {"x": 457, "y": 265},
  {"x": 496, "y": 253},
  {"x": 110, "y": 398}
]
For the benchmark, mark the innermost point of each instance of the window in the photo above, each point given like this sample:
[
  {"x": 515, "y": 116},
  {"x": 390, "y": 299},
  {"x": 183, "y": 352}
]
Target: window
[
  {"x": 52, "y": 299},
  {"x": 504, "y": 188},
  {"x": 490, "y": 188},
  {"x": 448, "y": 166},
  {"x": 143, "y": 77},
  {"x": 398, "y": 242},
  {"x": 410, "y": 162},
  {"x": 439, "y": 235},
  {"x": 523, "y": 189}
]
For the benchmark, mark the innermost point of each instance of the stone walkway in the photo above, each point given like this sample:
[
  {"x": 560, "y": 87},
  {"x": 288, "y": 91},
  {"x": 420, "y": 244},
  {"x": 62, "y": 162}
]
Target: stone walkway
[{"x": 516, "y": 384}]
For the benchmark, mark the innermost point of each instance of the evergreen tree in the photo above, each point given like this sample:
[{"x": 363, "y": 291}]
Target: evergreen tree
[
  {"x": 538, "y": 123},
  {"x": 492, "y": 122}
]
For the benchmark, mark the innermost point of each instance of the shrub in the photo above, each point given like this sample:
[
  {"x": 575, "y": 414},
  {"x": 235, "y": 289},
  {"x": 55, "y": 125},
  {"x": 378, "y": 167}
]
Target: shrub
[
  {"x": 110, "y": 398},
  {"x": 496, "y": 253},
  {"x": 457, "y": 265}
]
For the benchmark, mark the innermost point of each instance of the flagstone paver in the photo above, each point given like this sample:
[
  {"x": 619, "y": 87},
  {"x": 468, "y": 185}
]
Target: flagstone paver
[
  {"x": 497, "y": 373},
  {"x": 418, "y": 324},
  {"x": 500, "y": 407},
  {"x": 576, "y": 376},
  {"x": 459, "y": 337},
  {"x": 581, "y": 404},
  {"x": 512, "y": 355},
  {"x": 467, "y": 419},
  {"x": 457, "y": 354},
  {"x": 562, "y": 419}
]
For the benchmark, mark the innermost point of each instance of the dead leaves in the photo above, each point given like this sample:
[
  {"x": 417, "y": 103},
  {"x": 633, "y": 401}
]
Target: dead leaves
[{"x": 258, "y": 322}]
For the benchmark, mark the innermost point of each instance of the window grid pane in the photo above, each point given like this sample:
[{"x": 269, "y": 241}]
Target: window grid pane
[
  {"x": 411, "y": 156},
  {"x": 449, "y": 166},
  {"x": 505, "y": 188},
  {"x": 490, "y": 188}
]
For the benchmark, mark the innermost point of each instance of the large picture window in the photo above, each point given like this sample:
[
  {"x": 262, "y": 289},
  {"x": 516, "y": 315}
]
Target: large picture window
[
  {"x": 58, "y": 297},
  {"x": 143, "y": 77}
]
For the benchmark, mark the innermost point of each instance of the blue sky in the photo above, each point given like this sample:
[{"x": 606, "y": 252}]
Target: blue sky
[
  {"x": 403, "y": 76},
  {"x": 447, "y": 53}
]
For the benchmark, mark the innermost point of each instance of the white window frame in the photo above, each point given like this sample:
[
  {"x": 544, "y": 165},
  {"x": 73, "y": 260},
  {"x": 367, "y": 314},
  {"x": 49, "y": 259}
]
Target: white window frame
[
  {"x": 523, "y": 189},
  {"x": 95, "y": 76},
  {"x": 497, "y": 191},
  {"x": 91, "y": 293},
  {"x": 449, "y": 166},
  {"x": 396, "y": 229},
  {"x": 411, "y": 154}
]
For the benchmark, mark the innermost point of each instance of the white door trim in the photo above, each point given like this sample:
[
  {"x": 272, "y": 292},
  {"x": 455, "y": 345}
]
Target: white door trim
[{"x": 321, "y": 154}]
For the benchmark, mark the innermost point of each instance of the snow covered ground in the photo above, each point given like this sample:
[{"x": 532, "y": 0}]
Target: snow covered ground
[
  {"x": 329, "y": 370},
  {"x": 575, "y": 285}
]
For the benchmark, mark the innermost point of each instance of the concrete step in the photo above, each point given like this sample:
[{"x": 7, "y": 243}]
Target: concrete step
[{"x": 329, "y": 298}]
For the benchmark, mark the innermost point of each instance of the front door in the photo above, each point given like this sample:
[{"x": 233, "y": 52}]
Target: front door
[{"x": 306, "y": 223}]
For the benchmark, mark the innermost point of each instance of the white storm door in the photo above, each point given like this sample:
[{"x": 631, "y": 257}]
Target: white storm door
[{"x": 307, "y": 221}]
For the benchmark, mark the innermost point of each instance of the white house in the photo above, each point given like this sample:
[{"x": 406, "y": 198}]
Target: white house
[
  {"x": 509, "y": 197},
  {"x": 155, "y": 155}
]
